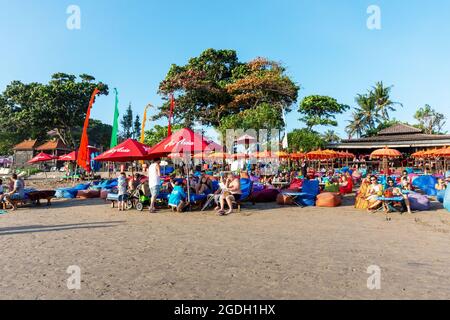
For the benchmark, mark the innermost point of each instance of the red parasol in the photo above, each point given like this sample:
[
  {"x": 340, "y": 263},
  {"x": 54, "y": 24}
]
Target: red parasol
[
  {"x": 130, "y": 150},
  {"x": 73, "y": 156},
  {"x": 42, "y": 157},
  {"x": 185, "y": 142}
]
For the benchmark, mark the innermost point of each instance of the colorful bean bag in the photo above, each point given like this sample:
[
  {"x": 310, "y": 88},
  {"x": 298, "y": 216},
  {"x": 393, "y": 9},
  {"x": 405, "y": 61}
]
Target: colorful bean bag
[
  {"x": 447, "y": 199},
  {"x": 88, "y": 194},
  {"x": 419, "y": 202},
  {"x": 310, "y": 190},
  {"x": 296, "y": 184},
  {"x": 265, "y": 196},
  {"x": 347, "y": 189},
  {"x": 104, "y": 193},
  {"x": 328, "y": 200},
  {"x": 82, "y": 186},
  {"x": 66, "y": 193},
  {"x": 284, "y": 200},
  {"x": 426, "y": 184}
]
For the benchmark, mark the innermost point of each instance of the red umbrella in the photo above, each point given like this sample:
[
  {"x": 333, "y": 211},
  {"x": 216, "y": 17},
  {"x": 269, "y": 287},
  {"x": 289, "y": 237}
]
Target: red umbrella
[
  {"x": 127, "y": 151},
  {"x": 42, "y": 157},
  {"x": 73, "y": 156},
  {"x": 185, "y": 142}
]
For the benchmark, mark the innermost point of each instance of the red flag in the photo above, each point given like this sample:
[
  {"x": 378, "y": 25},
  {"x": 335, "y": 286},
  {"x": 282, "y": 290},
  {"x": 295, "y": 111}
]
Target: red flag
[
  {"x": 172, "y": 106},
  {"x": 83, "y": 159}
]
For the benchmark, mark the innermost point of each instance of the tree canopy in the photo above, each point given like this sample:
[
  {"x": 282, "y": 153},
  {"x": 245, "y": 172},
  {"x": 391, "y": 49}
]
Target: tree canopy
[
  {"x": 430, "y": 121},
  {"x": 31, "y": 110},
  {"x": 305, "y": 140},
  {"x": 216, "y": 85},
  {"x": 320, "y": 111}
]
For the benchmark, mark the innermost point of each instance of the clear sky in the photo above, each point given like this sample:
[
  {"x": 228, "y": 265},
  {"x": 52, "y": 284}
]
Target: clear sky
[{"x": 325, "y": 44}]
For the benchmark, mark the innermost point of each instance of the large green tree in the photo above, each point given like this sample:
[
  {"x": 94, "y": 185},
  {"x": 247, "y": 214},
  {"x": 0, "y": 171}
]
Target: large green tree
[
  {"x": 320, "y": 111},
  {"x": 431, "y": 121},
  {"x": 305, "y": 140},
  {"x": 34, "y": 109},
  {"x": 264, "y": 116},
  {"x": 216, "y": 85}
]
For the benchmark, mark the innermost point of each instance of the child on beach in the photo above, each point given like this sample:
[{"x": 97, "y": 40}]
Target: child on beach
[
  {"x": 177, "y": 197},
  {"x": 122, "y": 186}
]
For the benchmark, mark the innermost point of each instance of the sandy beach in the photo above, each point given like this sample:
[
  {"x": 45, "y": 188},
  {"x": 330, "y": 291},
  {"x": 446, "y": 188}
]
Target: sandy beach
[{"x": 265, "y": 252}]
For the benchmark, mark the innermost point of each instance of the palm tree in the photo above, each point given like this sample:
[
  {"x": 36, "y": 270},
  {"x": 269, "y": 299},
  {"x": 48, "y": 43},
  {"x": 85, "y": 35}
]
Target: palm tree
[
  {"x": 367, "y": 111},
  {"x": 383, "y": 103},
  {"x": 330, "y": 136},
  {"x": 355, "y": 126}
]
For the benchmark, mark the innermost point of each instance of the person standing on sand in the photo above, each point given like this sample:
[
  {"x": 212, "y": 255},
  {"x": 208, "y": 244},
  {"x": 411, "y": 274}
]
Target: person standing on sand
[
  {"x": 154, "y": 182},
  {"x": 122, "y": 186}
]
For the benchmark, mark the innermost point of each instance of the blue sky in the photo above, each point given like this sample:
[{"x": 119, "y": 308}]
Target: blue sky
[{"x": 325, "y": 45}]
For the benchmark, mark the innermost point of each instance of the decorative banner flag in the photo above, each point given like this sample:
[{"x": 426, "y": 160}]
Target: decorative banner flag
[
  {"x": 83, "y": 153},
  {"x": 285, "y": 139},
  {"x": 144, "y": 120},
  {"x": 172, "y": 107},
  {"x": 115, "y": 122}
]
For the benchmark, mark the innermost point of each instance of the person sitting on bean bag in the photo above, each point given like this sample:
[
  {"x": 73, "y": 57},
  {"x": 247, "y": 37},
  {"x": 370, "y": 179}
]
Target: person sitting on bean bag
[{"x": 346, "y": 184}]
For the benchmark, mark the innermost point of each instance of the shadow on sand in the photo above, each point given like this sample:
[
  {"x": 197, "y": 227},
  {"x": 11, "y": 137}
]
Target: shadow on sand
[{"x": 54, "y": 228}]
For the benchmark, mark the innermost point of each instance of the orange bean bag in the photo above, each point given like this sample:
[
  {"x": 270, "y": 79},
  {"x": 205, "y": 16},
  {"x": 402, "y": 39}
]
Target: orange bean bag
[
  {"x": 284, "y": 200},
  {"x": 88, "y": 194},
  {"x": 329, "y": 200}
]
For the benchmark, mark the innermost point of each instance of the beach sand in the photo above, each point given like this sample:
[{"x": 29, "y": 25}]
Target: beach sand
[{"x": 265, "y": 252}]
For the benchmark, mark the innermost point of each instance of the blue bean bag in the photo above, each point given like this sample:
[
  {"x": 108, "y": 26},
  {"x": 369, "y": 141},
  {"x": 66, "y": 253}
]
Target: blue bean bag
[
  {"x": 447, "y": 199},
  {"x": 426, "y": 184},
  {"x": 310, "y": 190},
  {"x": 419, "y": 202},
  {"x": 66, "y": 193},
  {"x": 82, "y": 186},
  {"x": 246, "y": 189}
]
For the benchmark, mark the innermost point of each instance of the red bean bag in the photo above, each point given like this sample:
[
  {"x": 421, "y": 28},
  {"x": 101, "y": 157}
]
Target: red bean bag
[
  {"x": 88, "y": 194},
  {"x": 328, "y": 200},
  {"x": 296, "y": 184},
  {"x": 267, "y": 195},
  {"x": 104, "y": 194}
]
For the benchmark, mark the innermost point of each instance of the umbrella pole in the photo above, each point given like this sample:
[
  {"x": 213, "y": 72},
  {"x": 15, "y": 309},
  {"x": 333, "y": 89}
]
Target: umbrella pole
[{"x": 188, "y": 185}]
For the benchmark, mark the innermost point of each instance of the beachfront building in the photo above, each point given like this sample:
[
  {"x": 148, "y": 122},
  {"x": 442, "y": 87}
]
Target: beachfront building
[
  {"x": 406, "y": 139},
  {"x": 55, "y": 148},
  {"x": 24, "y": 152}
]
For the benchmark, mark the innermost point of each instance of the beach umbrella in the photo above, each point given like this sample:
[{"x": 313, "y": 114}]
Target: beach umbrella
[
  {"x": 184, "y": 142},
  {"x": 444, "y": 152},
  {"x": 42, "y": 157},
  {"x": 281, "y": 155},
  {"x": 246, "y": 139},
  {"x": 130, "y": 150},
  {"x": 385, "y": 153},
  {"x": 297, "y": 155},
  {"x": 319, "y": 155},
  {"x": 261, "y": 155},
  {"x": 418, "y": 154},
  {"x": 73, "y": 156}
]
